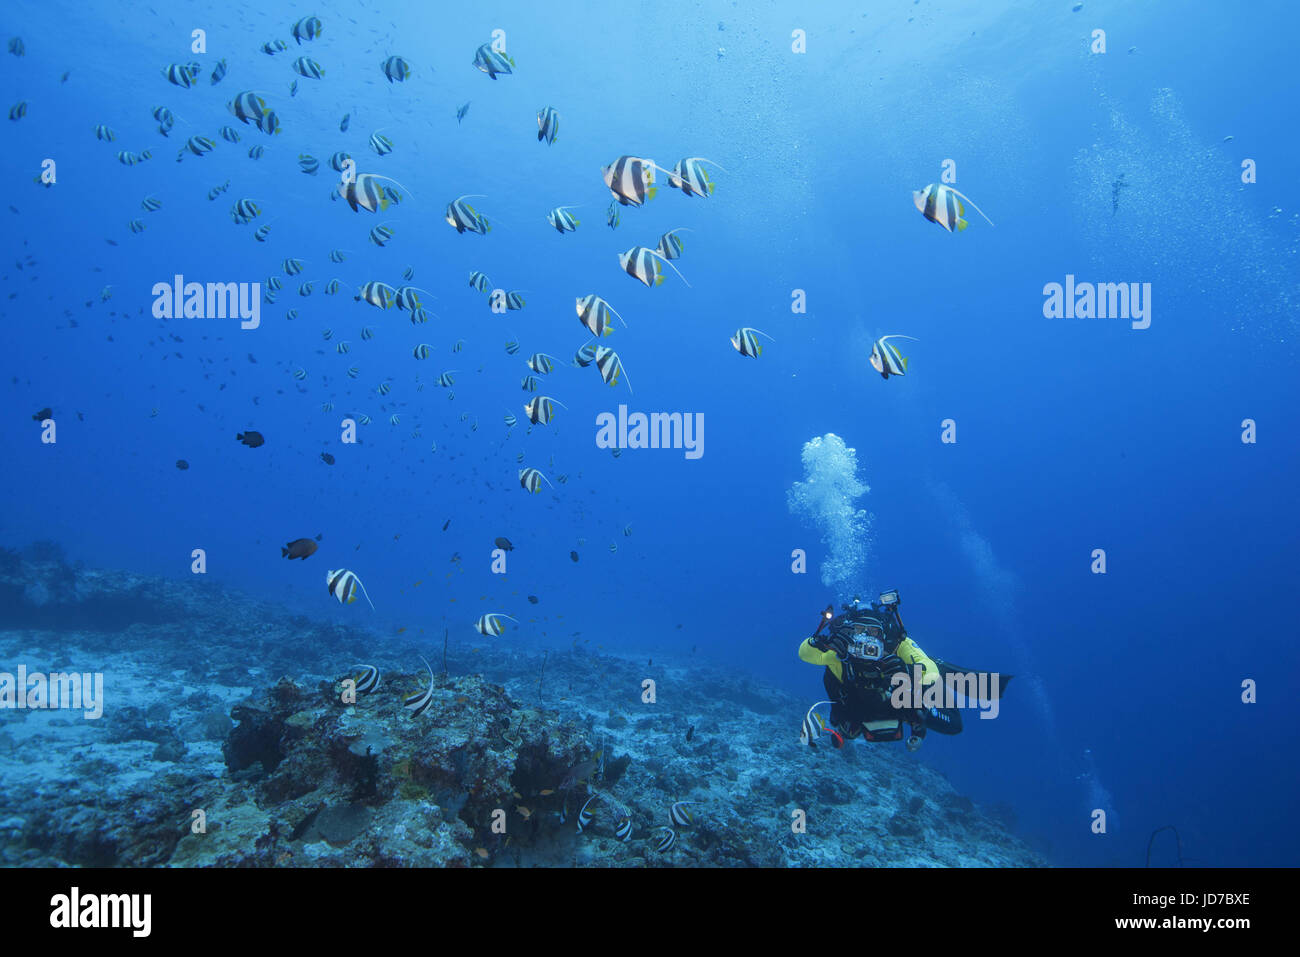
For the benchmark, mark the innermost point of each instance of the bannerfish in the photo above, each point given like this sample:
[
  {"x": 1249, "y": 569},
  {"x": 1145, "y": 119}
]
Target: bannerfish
[
  {"x": 942, "y": 205},
  {"x": 344, "y": 585},
  {"x": 886, "y": 359}
]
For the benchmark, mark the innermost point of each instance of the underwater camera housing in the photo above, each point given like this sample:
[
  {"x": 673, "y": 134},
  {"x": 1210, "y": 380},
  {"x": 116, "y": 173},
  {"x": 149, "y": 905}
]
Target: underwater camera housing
[{"x": 867, "y": 648}]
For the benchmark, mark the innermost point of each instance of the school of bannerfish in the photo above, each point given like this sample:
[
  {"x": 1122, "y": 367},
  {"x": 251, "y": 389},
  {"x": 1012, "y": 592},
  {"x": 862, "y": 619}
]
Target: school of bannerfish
[{"x": 631, "y": 181}]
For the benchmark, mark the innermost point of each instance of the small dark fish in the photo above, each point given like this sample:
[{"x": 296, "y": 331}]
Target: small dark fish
[
  {"x": 251, "y": 439},
  {"x": 504, "y": 544},
  {"x": 690, "y": 732},
  {"x": 327, "y": 458},
  {"x": 298, "y": 548},
  {"x": 42, "y": 415},
  {"x": 533, "y": 599},
  {"x": 573, "y": 555},
  {"x": 182, "y": 464},
  {"x": 445, "y": 524}
]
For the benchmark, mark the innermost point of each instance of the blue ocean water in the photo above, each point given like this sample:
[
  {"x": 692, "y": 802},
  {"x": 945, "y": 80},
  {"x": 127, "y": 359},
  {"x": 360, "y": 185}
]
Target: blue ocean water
[{"x": 1071, "y": 435}]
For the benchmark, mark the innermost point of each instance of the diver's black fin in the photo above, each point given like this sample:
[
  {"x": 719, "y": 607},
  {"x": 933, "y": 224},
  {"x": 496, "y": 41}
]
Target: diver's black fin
[{"x": 947, "y": 667}]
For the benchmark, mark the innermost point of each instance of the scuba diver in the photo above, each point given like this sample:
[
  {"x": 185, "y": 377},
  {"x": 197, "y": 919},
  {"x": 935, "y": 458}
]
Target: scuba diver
[{"x": 863, "y": 650}]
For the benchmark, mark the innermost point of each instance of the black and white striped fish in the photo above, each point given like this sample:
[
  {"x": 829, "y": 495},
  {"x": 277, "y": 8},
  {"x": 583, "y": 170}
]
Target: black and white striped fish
[
  {"x": 631, "y": 179},
  {"x": 218, "y": 71},
  {"x": 670, "y": 245},
  {"x": 396, "y": 69},
  {"x": 308, "y": 28},
  {"x": 344, "y": 585},
  {"x": 585, "y": 816},
  {"x": 491, "y": 62},
  {"x": 690, "y": 177},
  {"x": 306, "y": 66},
  {"x": 643, "y": 264},
  {"x": 198, "y": 145},
  {"x": 541, "y": 409},
  {"x": 548, "y": 124},
  {"x": 377, "y": 294},
  {"x": 245, "y": 210},
  {"x": 541, "y": 363},
  {"x": 585, "y": 356},
  {"x": 679, "y": 815},
  {"x": 886, "y": 359},
  {"x": 667, "y": 841},
  {"x": 531, "y": 479},
  {"x": 464, "y": 218},
  {"x": 609, "y": 366},
  {"x": 624, "y": 830},
  {"x": 366, "y": 192},
  {"x": 594, "y": 313},
  {"x": 563, "y": 220},
  {"x": 368, "y": 681},
  {"x": 814, "y": 726},
  {"x": 479, "y": 281},
  {"x": 745, "y": 341},
  {"x": 419, "y": 702},
  {"x": 248, "y": 107},
  {"x": 181, "y": 74},
  {"x": 490, "y": 624},
  {"x": 942, "y": 205}
]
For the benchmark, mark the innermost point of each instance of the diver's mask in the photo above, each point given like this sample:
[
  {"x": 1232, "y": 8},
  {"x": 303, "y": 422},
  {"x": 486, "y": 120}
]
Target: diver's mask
[{"x": 867, "y": 642}]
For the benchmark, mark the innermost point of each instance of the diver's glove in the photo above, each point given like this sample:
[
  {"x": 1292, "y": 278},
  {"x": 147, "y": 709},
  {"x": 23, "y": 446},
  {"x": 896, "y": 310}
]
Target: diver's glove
[{"x": 831, "y": 643}]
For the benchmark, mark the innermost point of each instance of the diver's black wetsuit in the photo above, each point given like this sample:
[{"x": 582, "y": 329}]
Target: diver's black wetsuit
[{"x": 863, "y": 699}]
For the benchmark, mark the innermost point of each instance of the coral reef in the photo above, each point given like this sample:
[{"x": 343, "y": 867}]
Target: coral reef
[{"x": 232, "y": 735}]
